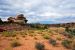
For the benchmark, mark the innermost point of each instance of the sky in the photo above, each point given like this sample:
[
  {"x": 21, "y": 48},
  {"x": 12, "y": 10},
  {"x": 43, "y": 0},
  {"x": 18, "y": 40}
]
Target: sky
[{"x": 39, "y": 11}]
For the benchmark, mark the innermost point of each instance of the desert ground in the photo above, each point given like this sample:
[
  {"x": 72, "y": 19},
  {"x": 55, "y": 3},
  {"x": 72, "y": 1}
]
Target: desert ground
[{"x": 18, "y": 37}]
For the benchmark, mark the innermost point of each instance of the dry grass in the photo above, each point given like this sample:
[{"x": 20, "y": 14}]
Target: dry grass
[
  {"x": 15, "y": 43},
  {"x": 39, "y": 35}
]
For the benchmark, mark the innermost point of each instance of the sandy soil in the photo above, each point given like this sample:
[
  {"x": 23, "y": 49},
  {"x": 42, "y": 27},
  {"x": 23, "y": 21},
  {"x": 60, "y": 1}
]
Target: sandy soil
[{"x": 28, "y": 43}]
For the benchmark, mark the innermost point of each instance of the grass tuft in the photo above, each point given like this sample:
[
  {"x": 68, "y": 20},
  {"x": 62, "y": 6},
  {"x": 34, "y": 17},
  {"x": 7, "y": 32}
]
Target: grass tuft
[
  {"x": 8, "y": 34},
  {"x": 66, "y": 43},
  {"x": 15, "y": 44},
  {"x": 53, "y": 42},
  {"x": 46, "y": 36},
  {"x": 40, "y": 46}
]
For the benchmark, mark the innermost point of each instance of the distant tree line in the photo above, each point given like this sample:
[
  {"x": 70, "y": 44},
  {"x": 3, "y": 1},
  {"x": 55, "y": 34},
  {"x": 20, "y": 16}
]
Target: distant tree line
[{"x": 1, "y": 22}]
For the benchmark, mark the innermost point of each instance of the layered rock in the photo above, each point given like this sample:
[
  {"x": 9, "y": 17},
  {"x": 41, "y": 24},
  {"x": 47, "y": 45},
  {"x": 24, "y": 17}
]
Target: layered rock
[{"x": 18, "y": 19}]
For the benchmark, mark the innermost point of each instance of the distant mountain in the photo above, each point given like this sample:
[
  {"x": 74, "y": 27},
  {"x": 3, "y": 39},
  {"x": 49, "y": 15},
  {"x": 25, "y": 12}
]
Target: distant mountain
[
  {"x": 66, "y": 19},
  {"x": 48, "y": 22}
]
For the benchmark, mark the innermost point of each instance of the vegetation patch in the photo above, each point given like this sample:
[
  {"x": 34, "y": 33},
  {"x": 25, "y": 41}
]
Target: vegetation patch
[
  {"x": 46, "y": 36},
  {"x": 8, "y": 34},
  {"x": 58, "y": 37},
  {"x": 53, "y": 42},
  {"x": 15, "y": 43},
  {"x": 40, "y": 46},
  {"x": 23, "y": 32},
  {"x": 66, "y": 43},
  {"x": 71, "y": 32}
]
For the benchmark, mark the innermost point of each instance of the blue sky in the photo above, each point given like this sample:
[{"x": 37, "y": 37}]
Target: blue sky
[{"x": 41, "y": 11}]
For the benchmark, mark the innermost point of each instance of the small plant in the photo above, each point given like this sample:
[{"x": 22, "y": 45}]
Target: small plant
[
  {"x": 17, "y": 38},
  {"x": 40, "y": 46},
  {"x": 23, "y": 36},
  {"x": 53, "y": 42},
  {"x": 15, "y": 44},
  {"x": 32, "y": 34},
  {"x": 35, "y": 38},
  {"x": 66, "y": 43},
  {"x": 73, "y": 45},
  {"x": 58, "y": 37},
  {"x": 49, "y": 31},
  {"x": 71, "y": 32},
  {"x": 46, "y": 36},
  {"x": 23, "y": 33},
  {"x": 67, "y": 29}
]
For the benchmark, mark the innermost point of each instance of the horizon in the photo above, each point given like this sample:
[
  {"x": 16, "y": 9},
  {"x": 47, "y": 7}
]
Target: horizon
[{"x": 39, "y": 11}]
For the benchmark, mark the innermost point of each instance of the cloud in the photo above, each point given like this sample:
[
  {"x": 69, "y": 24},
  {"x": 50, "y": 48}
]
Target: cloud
[{"x": 39, "y": 10}]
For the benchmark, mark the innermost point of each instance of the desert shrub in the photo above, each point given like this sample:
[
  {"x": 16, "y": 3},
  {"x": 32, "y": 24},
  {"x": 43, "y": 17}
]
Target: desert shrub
[
  {"x": 32, "y": 34},
  {"x": 15, "y": 43},
  {"x": 66, "y": 43},
  {"x": 71, "y": 32},
  {"x": 23, "y": 36},
  {"x": 8, "y": 34},
  {"x": 40, "y": 46},
  {"x": 35, "y": 38},
  {"x": 17, "y": 38},
  {"x": 53, "y": 42},
  {"x": 58, "y": 37},
  {"x": 67, "y": 29},
  {"x": 46, "y": 36},
  {"x": 73, "y": 45},
  {"x": 23, "y": 32},
  {"x": 67, "y": 34},
  {"x": 50, "y": 31},
  {"x": 31, "y": 31},
  {"x": 40, "y": 32},
  {"x": 45, "y": 27}
]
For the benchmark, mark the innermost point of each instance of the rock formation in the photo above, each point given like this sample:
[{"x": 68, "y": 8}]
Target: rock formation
[
  {"x": 10, "y": 19},
  {"x": 18, "y": 19}
]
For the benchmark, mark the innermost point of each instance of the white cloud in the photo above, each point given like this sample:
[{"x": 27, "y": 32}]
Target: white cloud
[
  {"x": 38, "y": 10},
  {"x": 52, "y": 15}
]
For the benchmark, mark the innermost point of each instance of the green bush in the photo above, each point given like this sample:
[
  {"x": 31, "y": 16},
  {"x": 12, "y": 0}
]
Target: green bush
[
  {"x": 23, "y": 32},
  {"x": 71, "y": 32},
  {"x": 40, "y": 46},
  {"x": 58, "y": 37},
  {"x": 15, "y": 44},
  {"x": 32, "y": 34},
  {"x": 67, "y": 29},
  {"x": 73, "y": 45},
  {"x": 53, "y": 42},
  {"x": 46, "y": 36},
  {"x": 66, "y": 43},
  {"x": 8, "y": 34}
]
